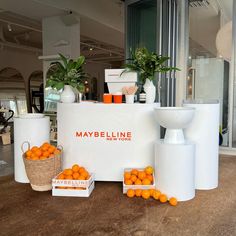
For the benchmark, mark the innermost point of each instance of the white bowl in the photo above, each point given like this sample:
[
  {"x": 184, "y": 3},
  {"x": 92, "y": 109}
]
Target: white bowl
[
  {"x": 31, "y": 116},
  {"x": 174, "y": 119}
]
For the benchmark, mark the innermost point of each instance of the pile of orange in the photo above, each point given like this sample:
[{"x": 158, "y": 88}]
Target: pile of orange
[
  {"x": 139, "y": 177},
  {"x": 41, "y": 153},
  {"x": 147, "y": 193},
  {"x": 76, "y": 172}
]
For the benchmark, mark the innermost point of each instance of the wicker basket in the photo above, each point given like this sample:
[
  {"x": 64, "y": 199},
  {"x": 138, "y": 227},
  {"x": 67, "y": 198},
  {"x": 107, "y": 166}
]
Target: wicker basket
[{"x": 41, "y": 172}]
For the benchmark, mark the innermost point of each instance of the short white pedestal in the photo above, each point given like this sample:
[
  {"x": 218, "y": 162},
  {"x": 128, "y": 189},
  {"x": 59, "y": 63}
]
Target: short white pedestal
[
  {"x": 174, "y": 166},
  {"x": 204, "y": 132},
  {"x": 35, "y": 131}
]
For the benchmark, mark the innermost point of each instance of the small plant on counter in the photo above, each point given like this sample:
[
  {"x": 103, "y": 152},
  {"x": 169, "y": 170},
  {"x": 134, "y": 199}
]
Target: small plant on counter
[
  {"x": 129, "y": 90},
  {"x": 67, "y": 72}
]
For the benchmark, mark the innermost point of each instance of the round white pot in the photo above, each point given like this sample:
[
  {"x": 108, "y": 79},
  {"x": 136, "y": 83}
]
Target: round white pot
[
  {"x": 150, "y": 91},
  {"x": 129, "y": 98},
  {"x": 67, "y": 96}
]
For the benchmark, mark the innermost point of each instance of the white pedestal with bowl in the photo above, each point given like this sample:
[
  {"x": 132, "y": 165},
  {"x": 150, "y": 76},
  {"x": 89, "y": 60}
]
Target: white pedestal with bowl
[{"x": 174, "y": 156}]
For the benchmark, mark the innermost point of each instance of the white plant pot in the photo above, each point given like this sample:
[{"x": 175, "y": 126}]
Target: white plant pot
[
  {"x": 67, "y": 96},
  {"x": 129, "y": 98},
  {"x": 150, "y": 91}
]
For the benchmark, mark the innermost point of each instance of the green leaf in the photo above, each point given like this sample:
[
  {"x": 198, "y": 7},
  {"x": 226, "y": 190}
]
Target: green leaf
[
  {"x": 59, "y": 86},
  {"x": 64, "y": 59},
  {"x": 80, "y": 61}
]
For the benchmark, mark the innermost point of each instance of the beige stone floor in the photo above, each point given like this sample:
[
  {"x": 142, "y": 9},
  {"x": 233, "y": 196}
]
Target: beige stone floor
[{"x": 109, "y": 212}]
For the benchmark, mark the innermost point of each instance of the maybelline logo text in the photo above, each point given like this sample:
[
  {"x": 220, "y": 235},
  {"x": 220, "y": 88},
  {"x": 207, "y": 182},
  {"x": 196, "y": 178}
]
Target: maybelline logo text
[{"x": 110, "y": 136}]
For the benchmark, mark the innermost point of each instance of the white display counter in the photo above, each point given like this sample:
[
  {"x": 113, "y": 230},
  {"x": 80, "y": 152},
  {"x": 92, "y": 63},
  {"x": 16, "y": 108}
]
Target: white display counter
[{"x": 106, "y": 138}]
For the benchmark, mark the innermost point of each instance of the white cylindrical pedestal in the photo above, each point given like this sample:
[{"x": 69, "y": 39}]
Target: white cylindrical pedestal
[
  {"x": 204, "y": 132},
  {"x": 34, "y": 130},
  {"x": 174, "y": 168}
]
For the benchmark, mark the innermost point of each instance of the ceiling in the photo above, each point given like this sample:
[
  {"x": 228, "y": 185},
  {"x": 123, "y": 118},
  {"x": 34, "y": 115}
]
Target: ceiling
[
  {"x": 99, "y": 42},
  {"x": 206, "y": 18}
]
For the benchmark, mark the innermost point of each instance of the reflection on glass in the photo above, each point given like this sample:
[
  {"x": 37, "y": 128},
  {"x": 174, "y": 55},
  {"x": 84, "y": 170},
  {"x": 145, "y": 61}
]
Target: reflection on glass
[{"x": 208, "y": 76}]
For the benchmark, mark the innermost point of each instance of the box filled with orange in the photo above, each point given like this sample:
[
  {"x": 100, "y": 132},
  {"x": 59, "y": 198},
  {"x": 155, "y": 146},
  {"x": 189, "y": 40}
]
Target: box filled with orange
[
  {"x": 137, "y": 178},
  {"x": 73, "y": 182}
]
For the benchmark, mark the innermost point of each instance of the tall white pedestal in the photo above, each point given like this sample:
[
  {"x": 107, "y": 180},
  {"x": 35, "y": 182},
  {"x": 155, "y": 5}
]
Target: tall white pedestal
[
  {"x": 175, "y": 169},
  {"x": 35, "y": 131},
  {"x": 204, "y": 132}
]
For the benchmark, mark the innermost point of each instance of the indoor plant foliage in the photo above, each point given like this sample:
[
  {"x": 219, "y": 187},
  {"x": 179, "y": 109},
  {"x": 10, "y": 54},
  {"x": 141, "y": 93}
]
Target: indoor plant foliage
[
  {"x": 66, "y": 74},
  {"x": 147, "y": 64}
]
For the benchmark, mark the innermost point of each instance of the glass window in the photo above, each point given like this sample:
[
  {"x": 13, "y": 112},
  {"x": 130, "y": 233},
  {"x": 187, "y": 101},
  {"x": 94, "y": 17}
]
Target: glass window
[{"x": 208, "y": 66}]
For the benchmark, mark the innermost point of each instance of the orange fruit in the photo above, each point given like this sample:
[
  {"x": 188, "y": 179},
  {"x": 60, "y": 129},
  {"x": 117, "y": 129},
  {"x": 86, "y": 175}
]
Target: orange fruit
[
  {"x": 29, "y": 158},
  {"x": 28, "y": 153},
  {"x": 133, "y": 178},
  {"x": 84, "y": 173},
  {"x": 163, "y": 198},
  {"x": 75, "y": 175},
  {"x": 42, "y": 158},
  {"x": 68, "y": 177},
  {"x": 38, "y": 152},
  {"x": 88, "y": 177},
  {"x": 130, "y": 193},
  {"x": 134, "y": 172},
  {"x": 51, "y": 149},
  {"x": 145, "y": 194},
  {"x": 128, "y": 182},
  {"x": 68, "y": 172},
  {"x": 44, "y": 148},
  {"x": 75, "y": 168},
  {"x": 34, "y": 148},
  {"x": 61, "y": 176},
  {"x": 51, "y": 155},
  {"x": 34, "y": 157},
  {"x": 146, "y": 181},
  {"x": 173, "y": 201},
  {"x": 150, "y": 177},
  {"x": 127, "y": 175},
  {"x": 46, "y": 144},
  {"x": 57, "y": 151},
  {"x": 138, "y": 182},
  {"x": 148, "y": 170},
  {"x": 81, "y": 177},
  {"x": 151, "y": 191},
  {"x": 46, "y": 154},
  {"x": 138, "y": 192},
  {"x": 141, "y": 175},
  {"x": 81, "y": 169},
  {"x": 156, "y": 194}
]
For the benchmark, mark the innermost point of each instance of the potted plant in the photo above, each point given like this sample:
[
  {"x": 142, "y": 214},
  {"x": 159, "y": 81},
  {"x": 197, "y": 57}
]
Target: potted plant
[
  {"x": 147, "y": 64},
  {"x": 66, "y": 75}
]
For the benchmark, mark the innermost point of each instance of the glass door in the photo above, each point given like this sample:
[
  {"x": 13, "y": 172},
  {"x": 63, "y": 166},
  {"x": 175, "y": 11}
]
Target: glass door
[{"x": 208, "y": 66}]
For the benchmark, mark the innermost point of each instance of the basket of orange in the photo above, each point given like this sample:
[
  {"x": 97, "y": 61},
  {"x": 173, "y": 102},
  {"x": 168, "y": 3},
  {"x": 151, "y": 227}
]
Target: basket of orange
[
  {"x": 138, "y": 178},
  {"x": 42, "y": 164}
]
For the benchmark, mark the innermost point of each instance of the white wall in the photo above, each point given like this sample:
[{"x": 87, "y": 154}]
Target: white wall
[
  {"x": 24, "y": 62},
  {"x": 61, "y": 38}
]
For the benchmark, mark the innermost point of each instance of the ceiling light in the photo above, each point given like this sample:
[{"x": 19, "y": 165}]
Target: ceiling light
[
  {"x": 9, "y": 27},
  {"x": 90, "y": 49}
]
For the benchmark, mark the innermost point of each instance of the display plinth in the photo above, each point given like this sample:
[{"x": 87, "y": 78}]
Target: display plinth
[
  {"x": 34, "y": 130},
  {"x": 204, "y": 132},
  {"x": 106, "y": 138},
  {"x": 174, "y": 166}
]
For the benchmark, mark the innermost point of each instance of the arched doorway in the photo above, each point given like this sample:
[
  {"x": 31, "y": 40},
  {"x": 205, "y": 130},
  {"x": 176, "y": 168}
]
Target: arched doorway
[
  {"x": 12, "y": 90},
  {"x": 36, "y": 91}
]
